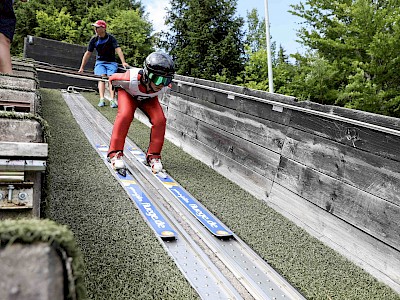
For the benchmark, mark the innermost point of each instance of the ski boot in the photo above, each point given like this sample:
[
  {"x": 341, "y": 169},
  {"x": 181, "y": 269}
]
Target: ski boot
[
  {"x": 118, "y": 164},
  {"x": 155, "y": 165}
]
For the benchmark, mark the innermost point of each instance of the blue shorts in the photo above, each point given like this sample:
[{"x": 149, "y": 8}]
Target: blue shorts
[
  {"x": 105, "y": 67},
  {"x": 7, "y": 19}
]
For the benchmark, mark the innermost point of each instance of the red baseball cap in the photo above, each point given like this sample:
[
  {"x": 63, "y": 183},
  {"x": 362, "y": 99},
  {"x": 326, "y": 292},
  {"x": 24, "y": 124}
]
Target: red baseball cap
[{"x": 100, "y": 23}]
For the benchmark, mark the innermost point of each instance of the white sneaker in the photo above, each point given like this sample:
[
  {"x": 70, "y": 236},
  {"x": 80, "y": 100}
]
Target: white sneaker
[
  {"x": 113, "y": 104},
  {"x": 117, "y": 162},
  {"x": 155, "y": 165}
]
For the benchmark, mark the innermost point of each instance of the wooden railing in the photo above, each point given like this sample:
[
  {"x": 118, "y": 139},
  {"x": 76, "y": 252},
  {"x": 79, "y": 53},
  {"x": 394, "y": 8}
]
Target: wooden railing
[{"x": 331, "y": 170}]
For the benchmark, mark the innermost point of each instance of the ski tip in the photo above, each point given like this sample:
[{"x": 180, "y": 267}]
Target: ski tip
[
  {"x": 224, "y": 235},
  {"x": 122, "y": 172},
  {"x": 167, "y": 235}
]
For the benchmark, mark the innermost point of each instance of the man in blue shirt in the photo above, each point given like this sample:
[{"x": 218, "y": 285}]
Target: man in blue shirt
[{"x": 106, "y": 46}]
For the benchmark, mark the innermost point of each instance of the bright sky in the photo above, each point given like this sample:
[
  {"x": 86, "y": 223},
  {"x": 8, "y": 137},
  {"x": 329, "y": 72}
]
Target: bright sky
[{"x": 283, "y": 24}]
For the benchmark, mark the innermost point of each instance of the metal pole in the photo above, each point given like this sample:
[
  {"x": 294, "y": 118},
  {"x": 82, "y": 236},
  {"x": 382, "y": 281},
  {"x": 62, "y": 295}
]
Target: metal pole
[{"x": 270, "y": 75}]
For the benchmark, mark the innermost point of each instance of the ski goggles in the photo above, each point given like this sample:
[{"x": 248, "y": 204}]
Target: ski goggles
[{"x": 157, "y": 79}]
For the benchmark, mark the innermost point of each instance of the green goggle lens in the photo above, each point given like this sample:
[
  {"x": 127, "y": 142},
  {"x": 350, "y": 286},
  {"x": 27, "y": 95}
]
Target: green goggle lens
[{"x": 157, "y": 80}]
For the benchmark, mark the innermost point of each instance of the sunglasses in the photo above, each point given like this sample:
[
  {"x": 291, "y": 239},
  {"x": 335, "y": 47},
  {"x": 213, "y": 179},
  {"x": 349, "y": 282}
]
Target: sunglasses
[{"x": 157, "y": 79}]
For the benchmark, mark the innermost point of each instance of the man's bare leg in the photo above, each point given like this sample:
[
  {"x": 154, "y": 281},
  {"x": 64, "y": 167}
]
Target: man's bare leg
[
  {"x": 102, "y": 88},
  {"x": 5, "y": 56},
  {"x": 111, "y": 91}
]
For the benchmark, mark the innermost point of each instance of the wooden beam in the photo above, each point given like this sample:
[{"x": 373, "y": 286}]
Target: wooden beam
[{"x": 17, "y": 149}]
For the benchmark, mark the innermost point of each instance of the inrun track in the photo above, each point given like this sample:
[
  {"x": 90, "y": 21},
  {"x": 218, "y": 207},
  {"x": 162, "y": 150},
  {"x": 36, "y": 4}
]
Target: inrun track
[{"x": 218, "y": 269}]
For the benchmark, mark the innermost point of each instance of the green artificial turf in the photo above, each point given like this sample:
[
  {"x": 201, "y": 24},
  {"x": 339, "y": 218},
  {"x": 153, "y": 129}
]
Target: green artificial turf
[
  {"x": 314, "y": 269},
  {"x": 123, "y": 259}
]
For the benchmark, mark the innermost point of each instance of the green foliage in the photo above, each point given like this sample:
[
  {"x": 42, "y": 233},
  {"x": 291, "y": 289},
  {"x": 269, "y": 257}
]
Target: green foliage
[
  {"x": 360, "y": 40},
  {"x": 206, "y": 39},
  {"x": 104, "y": 11},
  {"x": 59, "y": 26},
  {"x": 134, "y": 35},
  {"x": 255, "y": 74},
  {"x": 361, "y": 93},
  {"x": 71, "y": 22},
  {"x": 283, "y": 72},
  {"x": 255, "y": 36},
  {"x": 318, "y": 81}
]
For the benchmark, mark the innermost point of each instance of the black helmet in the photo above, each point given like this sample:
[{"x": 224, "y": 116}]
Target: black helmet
[{"x": 159, "y": 64}]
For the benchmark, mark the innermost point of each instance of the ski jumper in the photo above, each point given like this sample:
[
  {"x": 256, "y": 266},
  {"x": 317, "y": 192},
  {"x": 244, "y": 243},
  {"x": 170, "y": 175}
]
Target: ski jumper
[{"x": 132, "y": 95}]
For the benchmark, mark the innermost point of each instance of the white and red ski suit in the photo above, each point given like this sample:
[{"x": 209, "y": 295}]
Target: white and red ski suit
[{"x": 131, "y": 95}]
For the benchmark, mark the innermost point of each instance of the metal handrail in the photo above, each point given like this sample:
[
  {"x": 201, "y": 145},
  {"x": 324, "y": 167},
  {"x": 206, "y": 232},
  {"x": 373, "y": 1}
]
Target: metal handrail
[
  {"x": 272, "y": 102},
  {"x": 297, "y": 108}
]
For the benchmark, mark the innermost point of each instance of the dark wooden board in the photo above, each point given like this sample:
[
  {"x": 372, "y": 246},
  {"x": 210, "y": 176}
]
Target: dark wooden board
[
  {"x": 57, "y": 53},
  {"x": 345, "y": 163},
  {"x": 262, "y": 132},
  {"x": 241, "y": 104},
  {"x": 254, "y": 157},
  {"x": 371, "y": 214},
  {"x": 373, "y": 141},
  {"x": 353, "y": 114},
  {"x": 257, "y": 185},
  {"x": 51, "y": 80}
]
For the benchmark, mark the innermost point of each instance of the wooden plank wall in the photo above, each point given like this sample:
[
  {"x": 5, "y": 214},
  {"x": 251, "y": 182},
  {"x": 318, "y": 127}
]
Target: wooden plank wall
[
  {"x": 56, "y": 53},
  {"x": 339, "y": 181},
  {"x": 18, "y": 91},
  {"x": 21, "y": 139},
  {"x": 23, "y": 68},
  {"x": 59, "y": 54}
]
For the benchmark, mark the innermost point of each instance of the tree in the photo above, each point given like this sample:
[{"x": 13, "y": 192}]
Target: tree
[
  {"x": 315, "y": 80},
  {"x": 135, "y": 35},
  {"x": 81, "y": 14},
  {"x": 58, "y": 26},
  {"x": 359, "y": 38},
  {"x": 284, "y": 73},
  {"x": 255, "y": 35},
  {"x": 255, "y": 73},
  {"x": 205, "y": 38}
]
